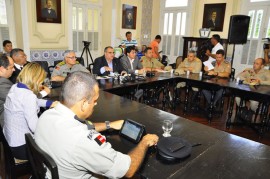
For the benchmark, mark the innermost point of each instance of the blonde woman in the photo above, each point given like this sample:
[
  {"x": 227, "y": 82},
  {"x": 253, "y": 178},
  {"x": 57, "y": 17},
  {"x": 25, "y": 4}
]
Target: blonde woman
[{"x": 22, "y": 106}]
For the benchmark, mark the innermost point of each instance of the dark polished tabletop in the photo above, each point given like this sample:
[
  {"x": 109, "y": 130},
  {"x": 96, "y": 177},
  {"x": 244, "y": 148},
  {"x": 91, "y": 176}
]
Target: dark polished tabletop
[{"x": 221, "y": 155}]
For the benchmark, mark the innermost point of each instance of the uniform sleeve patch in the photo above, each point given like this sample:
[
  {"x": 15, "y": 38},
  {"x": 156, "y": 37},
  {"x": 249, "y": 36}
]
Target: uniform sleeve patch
[
  {"x": 57, "y": 68},
  {"x": 100, "y": 139}
]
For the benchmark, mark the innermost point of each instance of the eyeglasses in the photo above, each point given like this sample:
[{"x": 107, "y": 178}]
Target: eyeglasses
[{"x": 72, "y": 57}]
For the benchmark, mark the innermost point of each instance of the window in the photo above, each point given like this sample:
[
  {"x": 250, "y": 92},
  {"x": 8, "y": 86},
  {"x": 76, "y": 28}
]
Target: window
[
  {"x": 4, "y": 29},
  {"x": 176, "y": 3}
]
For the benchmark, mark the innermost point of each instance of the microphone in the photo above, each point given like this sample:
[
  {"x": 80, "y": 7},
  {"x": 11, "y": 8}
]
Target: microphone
[
  {"x": 151, "y": 73},
  {"x": 152, "y": 67}
]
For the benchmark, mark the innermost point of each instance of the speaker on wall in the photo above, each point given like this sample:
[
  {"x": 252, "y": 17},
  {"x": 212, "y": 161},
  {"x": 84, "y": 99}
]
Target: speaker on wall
[{"x": 238, "y": 29}]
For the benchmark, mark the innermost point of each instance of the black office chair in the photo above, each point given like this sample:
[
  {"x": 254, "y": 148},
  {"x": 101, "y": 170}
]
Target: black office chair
[
  {"x": 13, "y": 170},
  {"x": 45, "y": 66},
  {"x": 40, "y": 160}
]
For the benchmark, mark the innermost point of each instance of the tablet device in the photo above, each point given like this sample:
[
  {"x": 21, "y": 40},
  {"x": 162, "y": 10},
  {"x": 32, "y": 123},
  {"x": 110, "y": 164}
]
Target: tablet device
[{"x": 132, "y": 130}]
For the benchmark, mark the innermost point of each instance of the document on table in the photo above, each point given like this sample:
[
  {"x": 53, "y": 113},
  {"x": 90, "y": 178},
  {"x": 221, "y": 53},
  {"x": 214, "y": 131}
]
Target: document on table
[
  {"x": 209, "y": 65},
  {"x": 102, "y": 77}
]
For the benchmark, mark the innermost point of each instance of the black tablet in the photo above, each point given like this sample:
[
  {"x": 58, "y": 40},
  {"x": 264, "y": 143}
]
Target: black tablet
[{"x": 132, "y": 130}]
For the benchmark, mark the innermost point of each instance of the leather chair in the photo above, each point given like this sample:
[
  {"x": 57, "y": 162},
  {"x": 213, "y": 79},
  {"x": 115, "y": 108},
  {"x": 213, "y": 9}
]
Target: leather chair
[
  {"x": 13, "y": 168},
  {"x": 40, "y": 161}
]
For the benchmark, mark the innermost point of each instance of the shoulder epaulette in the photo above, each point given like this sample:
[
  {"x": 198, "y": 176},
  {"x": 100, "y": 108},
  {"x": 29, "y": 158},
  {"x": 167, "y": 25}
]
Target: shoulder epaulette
[{"x": 61, "y": 63}]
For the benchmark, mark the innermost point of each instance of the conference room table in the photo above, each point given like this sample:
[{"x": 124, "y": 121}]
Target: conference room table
[{"x": 220, "y": 155}]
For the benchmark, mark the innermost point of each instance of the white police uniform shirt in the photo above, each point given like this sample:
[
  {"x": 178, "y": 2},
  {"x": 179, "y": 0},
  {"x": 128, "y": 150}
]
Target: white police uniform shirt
[
  {"x": 77, "y": 151},
  {"x": 214, "y": 50}
]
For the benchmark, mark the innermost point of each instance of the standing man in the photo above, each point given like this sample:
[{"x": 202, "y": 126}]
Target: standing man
[
  {"x": 48, "y": 12},
  {"x": 131, "y": 62},
  {"x": 69, "y": 65},
  {"x": 254, "y": 76},
  {"x": 107, "y": 64},
  {"x": 75, "y": 144},
  {"x": 222, "y": 69},
  {"x": 129, "y": 41},
  {"x": 154, "y": 45},
  {"x": 215, "y": 41},
  {"x": 19, "y": 58},
  {"x": 7, "y": 47},
  {"x": 6, "y": 70}
]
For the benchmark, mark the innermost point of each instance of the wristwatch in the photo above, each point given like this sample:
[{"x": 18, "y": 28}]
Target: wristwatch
[{"x": 107, "y": 125}]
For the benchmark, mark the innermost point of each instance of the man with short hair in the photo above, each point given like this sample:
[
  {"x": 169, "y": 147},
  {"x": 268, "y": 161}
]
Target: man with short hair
[
  {"x": 152, "y": 64},
  {"x": 131, "y": 62},
  {"x": 254, "y": 76},
  {"x": 107, "y": 64},
  {"x": 222, "y": 69},
  {"x": 68, "y": 65},
  {"x": 19, "y": 58},
  {"x": 215, "y": 41},
  {"x": 129, "y": 41},
  {"x": 191, "y": 63},
  {"x": 154, "y": 45},
  {"x": 6, "y": 70},
  {"x": 75, "y": 144},
  {"x": 48, "y": 12},
  {"x": 7, "y": 47}
]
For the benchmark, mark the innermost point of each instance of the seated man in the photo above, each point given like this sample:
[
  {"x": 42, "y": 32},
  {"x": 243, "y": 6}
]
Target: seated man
[
  {"x": 222, "y": 69},
  {"x": 69, "y": 65},
  {"x": 254, "y": 76},
  {"x": 130, "y": 61},
  {"x": 191, "y": 63},
  {"x": 20, "y": 60},
  {"x": 6, "y": 70},
  {"x": 107, "y": 64},
  {"x": 76, "y": 146},
  {"x": 152, "y": 64}
]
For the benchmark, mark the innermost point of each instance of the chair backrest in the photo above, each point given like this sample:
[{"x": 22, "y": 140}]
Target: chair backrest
[
  {"x": 40, "y": 160},
  {"x": 45, "y": 66}
]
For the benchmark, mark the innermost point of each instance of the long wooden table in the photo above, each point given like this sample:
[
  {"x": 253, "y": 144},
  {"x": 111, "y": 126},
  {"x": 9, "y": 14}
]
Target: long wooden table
[{"x": 221, "y": 155}]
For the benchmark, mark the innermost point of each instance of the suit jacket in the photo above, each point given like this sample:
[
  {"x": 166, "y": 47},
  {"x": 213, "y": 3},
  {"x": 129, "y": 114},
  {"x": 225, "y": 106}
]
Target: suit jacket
[
  {"x": 45, "y": 13},
  {"x": 5, "y": 85},
  {"x": 14, "y": 75},
  {"x": 101, "y": 62},
  {"x": 127, "y": 66}
]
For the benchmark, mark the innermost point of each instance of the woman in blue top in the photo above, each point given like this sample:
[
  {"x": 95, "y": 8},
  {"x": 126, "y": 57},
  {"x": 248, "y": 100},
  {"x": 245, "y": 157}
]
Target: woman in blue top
[{"x": 22, "y": 106}]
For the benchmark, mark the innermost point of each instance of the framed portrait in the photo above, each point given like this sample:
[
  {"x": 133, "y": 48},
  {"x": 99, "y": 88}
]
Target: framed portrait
[
  {"x": 129, "y": 16},
  {"x": 48, "y": 11},
  {"x": 213, "y": 16}
]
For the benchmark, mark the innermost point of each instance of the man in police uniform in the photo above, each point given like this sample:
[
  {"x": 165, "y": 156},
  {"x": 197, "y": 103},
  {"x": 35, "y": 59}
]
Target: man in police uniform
[
  {"x": 69, "y": 65},
  {"x": 222, "y": 69},
  {"x": 152, "y": 64},
  {"x": 254, "y": 76},
  {"x": 76, "y": 145}
]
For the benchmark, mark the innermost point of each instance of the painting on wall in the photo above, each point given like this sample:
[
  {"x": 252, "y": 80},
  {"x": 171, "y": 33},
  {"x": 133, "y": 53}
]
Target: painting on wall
[
  {"x": 213, "y": 16},
  {"x": 48, "y": 11},
  {"x": 129, "y": 15}
]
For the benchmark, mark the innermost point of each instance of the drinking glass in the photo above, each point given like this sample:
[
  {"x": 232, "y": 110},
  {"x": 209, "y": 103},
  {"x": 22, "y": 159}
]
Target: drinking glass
[
  {"x": 167, "y": 127},
  {"x": 48, "y": 82}
]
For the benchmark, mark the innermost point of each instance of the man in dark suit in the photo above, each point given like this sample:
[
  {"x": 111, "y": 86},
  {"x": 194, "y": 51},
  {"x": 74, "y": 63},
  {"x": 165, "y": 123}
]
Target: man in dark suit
[
  {"x": 107, "y": 64},
  {"x": 48, "y": 12},
  {"x": 6, "y": 70},
  {"x": 131, "y": 62},
  {"x": 213, "y": 23},
  {"x": 19, "y": 59}
]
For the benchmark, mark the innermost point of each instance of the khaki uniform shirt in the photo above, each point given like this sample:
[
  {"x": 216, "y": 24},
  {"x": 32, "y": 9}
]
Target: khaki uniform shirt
[
  {"x": 263, "y": 75},
  {"x": 146, "y": 63},
  {"x": 223, "y": 67},
  {"x": 79, "y": 152},
  {"x": 62, "y": 69},
  {"x": 196, "y": 64}
]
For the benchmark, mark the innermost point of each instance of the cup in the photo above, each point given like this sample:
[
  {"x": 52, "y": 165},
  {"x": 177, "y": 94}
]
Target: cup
[
  {"x": 237, "y": 80},
  {"x": 200, "y": 74},
  {"x": 167, "y": 127},
  {"x": 188, "y": 72}
]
